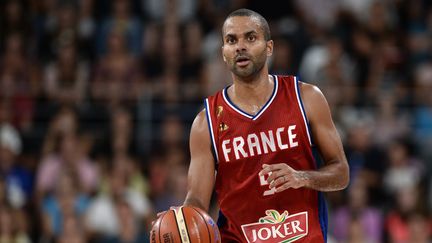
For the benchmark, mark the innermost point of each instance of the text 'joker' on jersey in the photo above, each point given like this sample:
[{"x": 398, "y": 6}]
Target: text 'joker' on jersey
[{"x": 242, "y": 143}]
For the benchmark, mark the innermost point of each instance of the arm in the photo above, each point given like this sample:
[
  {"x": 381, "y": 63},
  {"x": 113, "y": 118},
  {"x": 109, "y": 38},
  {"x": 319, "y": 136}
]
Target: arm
[
  {"x": 334, "y": 175},
  {"x": 201, "y": 175}
]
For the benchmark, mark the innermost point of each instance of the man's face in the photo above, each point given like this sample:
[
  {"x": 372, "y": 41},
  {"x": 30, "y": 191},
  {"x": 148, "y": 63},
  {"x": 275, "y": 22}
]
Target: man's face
[{"x": 245, "y": 49}]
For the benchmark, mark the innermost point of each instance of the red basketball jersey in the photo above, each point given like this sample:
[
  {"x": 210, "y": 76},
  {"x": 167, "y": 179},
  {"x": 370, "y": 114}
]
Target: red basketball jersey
[{"x": 241, "y": 142}]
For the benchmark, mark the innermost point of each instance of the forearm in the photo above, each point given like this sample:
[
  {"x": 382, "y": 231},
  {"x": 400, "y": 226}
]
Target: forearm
[{"x": 332, "y": 177}]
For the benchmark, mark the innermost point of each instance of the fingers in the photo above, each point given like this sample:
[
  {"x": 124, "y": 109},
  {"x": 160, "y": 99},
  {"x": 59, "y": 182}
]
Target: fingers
[
  {"x": 275, "y": 171},
  {"x": 283, "y": 187},
  {"x": 160, "y": 213},
  {"x": 278, "y": 181},
  {"x": 280, "y": 176},
  {"x": 271, "y": 168},
  {"x": 273, "y": 175}
]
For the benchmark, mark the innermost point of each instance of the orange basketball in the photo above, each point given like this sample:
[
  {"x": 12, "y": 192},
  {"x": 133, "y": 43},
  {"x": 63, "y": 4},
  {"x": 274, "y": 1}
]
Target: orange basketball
[{"x": 185, "y": 224}]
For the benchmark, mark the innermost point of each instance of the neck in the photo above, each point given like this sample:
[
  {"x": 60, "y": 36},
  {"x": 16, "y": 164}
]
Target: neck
[{"x": 251, "y": 95}]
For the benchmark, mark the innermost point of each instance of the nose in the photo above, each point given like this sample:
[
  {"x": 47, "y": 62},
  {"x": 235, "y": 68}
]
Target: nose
[{"x": 241, "y": 46}]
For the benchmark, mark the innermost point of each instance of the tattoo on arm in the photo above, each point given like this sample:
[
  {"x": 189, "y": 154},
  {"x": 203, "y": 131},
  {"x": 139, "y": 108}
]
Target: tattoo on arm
[{"x": 328, "y": 178}]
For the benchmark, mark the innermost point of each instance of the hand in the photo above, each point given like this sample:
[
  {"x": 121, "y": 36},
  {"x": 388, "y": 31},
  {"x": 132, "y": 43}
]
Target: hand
[
  {"x": 157, "y": 217},
  {"x": 159, "y": 214},
  {"x": 282, "y": 176}
]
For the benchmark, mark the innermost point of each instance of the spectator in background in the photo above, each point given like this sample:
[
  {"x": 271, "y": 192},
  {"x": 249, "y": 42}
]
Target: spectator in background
[
  {"x": 404, "y": 170},
  {"x": 122, "y": 154},
  {"x": 172, "y": 133},
  {"x": 122, "y": 157},
  {"x": 87, "y": 29},
  {"x": 18, "y": 179},
  {"x": 105, "y": 216},
  {"x": 60, "y": 25},
  {"x": 366, "y": 160},
  {"x": 6, "y": 227},
  {"x": 121, "y": 136},
  {"x": 422, "y": 115},
  {"x": 358, "y": 218},
  {"x": 168, "y": 178},
  {"x": 66, "y": 203},
  {"x": 59, "y": 22},
  {"x": 11, "y": 229},
  {"x": 327, "y": 62},
  {"x": 384, "y": 74},
  {"x": 282, "y": 60},
  {"x": 130, "y": 229},
  {"x": 191, "y": 66},
  {"x": 18, "y": 81},
  {"x": 13, "y": 19},
  {"x": 361, "y": 49},
  {"x": 183, "y": 10},
  {"x": 171, "y": 42},
  {"x": 403, "y": 215},
  {"x": 68, "y": 154},
  {"x": 117, "y": 80},
  {"x": 152, "y": 61},
  {"x": 64, "y": 121},
  {"x": 23, "y": 225},
  {"x": 159, "y": 172},
  {"x": 65, "y": 79},
  {"x": 419, "y": 228},
  {"x": 122, "y": 21},
  {"x": 390, "y": 122},
  {"x": 73, "y": 230}
]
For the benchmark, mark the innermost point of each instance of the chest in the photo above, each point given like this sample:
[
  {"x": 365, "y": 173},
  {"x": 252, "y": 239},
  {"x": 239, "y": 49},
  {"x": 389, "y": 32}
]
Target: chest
[{"x": 279, "y": 129}]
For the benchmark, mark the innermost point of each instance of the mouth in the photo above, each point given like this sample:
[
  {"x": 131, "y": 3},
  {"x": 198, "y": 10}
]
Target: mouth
[{"x": 242, "y": 61}]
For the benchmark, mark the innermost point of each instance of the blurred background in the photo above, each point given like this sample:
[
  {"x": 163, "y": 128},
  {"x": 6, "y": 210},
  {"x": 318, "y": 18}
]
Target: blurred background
[{"x": 97, "y": 98}]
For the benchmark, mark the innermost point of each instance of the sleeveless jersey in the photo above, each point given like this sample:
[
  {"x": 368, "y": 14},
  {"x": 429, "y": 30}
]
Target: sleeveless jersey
[{"x": 241, "y": 143}]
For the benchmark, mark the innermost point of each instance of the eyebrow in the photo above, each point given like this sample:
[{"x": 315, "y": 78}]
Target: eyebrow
[{"x": 245, "y": 34}]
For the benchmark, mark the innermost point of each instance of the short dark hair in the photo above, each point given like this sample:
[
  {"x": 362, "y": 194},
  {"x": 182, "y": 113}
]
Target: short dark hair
[{"x": 250, "y": 13}]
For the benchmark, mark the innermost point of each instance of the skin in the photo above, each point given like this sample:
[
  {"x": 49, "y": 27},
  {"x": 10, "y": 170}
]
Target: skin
[{"x": 245, "y": 51}]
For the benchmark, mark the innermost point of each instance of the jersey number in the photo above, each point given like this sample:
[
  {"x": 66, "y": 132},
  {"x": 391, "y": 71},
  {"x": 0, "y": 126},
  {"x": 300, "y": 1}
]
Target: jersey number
[{"x": 263, "y": 182}]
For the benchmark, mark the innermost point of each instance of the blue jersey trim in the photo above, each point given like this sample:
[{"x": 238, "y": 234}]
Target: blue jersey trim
[
  {"x": 261, "y": 111},
  {"x": 323, "y": 215},
  {"x": 210, "y": 128},
  {"x": 221, "y": 220},
  {"x": 303, "y": 111},
  {"x": 322, "y": 205},
  {"x": 228, "y": 99}
]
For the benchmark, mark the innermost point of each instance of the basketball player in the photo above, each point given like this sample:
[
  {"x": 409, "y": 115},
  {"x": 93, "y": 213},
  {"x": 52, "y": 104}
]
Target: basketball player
[{"x": 253, "y": 144}]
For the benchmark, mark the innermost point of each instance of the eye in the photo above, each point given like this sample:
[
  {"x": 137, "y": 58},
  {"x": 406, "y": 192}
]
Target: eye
[
  {"x": 230, "y": 40},
  {"x": 251, "y": 38}
]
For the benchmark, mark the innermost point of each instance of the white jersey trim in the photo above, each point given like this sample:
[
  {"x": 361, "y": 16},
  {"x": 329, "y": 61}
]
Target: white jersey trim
[
  {"x": 210, "y": 126},
  {"x": 300, "y": 104},
  {"x": 256, "y": 116}
]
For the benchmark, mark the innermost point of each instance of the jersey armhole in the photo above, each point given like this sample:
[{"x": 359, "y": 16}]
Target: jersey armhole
[
  {"x": 211, "y": 132},
  {"x": 302, "y": 110}
]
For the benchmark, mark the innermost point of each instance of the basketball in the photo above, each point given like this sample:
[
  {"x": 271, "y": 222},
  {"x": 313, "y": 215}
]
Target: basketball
[{"x": 185, "y": 224}]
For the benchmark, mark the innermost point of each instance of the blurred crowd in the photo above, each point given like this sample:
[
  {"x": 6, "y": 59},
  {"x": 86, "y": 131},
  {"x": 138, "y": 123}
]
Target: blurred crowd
[{"x": 97, "y": 99}]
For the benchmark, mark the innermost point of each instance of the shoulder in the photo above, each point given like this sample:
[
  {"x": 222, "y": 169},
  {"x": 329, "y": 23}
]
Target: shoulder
[
  {"x": 313, "y": 100},
  {"x": 199, "y": 134},
  {"x": 309, "y": 91},
  {"x": 311, "y": 94},
  {"x": 200, "y": 119},
  {"x": 200, "y": 124}
]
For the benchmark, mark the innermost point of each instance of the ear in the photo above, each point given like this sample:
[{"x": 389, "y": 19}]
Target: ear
[
  {"x": 270, "y": 48},
  {"x": 223, "y": 56}
]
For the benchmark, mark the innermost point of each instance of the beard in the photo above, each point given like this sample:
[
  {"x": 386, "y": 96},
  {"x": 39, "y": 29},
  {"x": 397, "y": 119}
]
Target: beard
[{"x": 256, "y": 64}]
